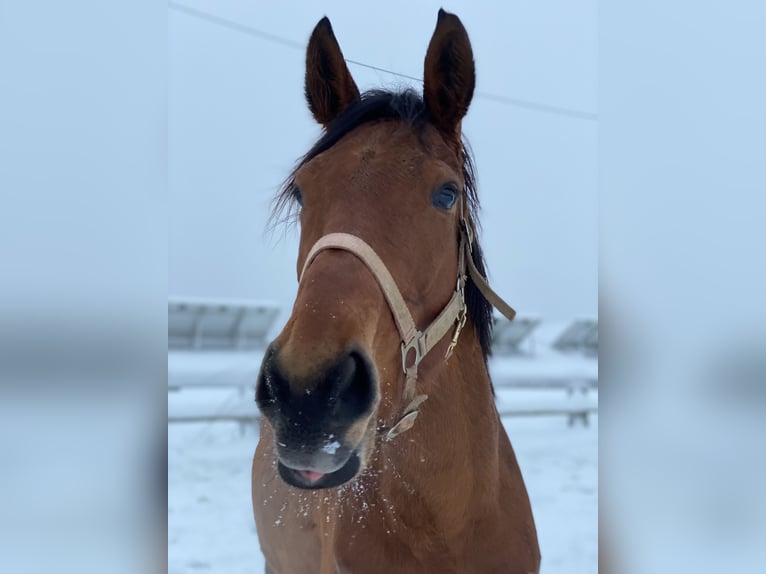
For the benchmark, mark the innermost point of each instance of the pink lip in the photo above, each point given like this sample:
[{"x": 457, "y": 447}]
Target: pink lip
[{"x": 310, "y": 475}]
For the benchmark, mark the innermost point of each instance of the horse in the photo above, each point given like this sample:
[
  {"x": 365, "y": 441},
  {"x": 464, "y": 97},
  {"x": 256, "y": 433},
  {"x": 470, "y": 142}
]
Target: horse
[{"x": 380, "y": 448}]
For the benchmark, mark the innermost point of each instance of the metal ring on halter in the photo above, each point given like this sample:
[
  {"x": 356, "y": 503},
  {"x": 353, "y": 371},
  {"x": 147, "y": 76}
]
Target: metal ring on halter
[{"x": 414, "y": 343}]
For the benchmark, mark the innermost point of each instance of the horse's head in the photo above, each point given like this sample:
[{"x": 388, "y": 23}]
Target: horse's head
[{"x": 391, "y": 170}]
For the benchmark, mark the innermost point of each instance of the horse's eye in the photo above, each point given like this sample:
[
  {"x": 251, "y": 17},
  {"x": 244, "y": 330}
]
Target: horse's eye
[
  {"x": 298, "y": 195},
  {"x": 444, "y": 197}
]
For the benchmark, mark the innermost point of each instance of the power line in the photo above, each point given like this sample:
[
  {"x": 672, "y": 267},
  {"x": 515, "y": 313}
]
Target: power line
[
  {"x": 371, "y": 67},
  {"x": 236, "y": 26},
  {"x": 534, "y": 106},
  {"x": 262, "y": 35}
]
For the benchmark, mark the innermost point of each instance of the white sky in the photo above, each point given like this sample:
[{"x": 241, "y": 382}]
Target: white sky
[{"x": 237, "y": 122}]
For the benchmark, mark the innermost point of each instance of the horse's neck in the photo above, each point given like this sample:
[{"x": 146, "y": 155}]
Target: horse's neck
[{"x": 449, "y": 460}]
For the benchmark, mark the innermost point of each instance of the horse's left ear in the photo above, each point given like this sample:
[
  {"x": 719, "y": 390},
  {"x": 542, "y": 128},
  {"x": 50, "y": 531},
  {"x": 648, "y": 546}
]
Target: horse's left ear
[
  {"x": 450, "y": 76},
  {"x": 329, "y": 85}
]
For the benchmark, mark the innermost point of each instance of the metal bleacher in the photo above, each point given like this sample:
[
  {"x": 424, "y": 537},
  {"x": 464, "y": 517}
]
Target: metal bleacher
[
  {"x": 580, "y": 337},
  {"x": 221, "y": 325},
  {"x": 508, "y": 337},
  {"x": 216, "y": 344}
]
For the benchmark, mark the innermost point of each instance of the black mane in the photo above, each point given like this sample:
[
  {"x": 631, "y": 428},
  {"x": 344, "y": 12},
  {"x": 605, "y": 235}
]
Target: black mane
[{"x": 406, "y": 106}]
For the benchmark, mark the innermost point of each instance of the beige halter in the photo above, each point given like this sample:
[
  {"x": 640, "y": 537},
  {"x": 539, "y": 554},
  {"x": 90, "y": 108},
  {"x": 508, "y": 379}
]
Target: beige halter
[{"x": 416, "y": 344}]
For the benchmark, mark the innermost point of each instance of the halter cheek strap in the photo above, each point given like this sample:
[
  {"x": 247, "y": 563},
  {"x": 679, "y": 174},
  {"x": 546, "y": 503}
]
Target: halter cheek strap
[{"x": 415, "y": 344}]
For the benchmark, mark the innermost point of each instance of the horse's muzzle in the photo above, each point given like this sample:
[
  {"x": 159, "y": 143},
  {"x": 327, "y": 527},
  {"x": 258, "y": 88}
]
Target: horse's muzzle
[{"x": 319, "y": 423}]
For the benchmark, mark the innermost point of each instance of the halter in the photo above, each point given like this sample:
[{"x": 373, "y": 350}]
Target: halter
[{"x": 417, "y": 344}]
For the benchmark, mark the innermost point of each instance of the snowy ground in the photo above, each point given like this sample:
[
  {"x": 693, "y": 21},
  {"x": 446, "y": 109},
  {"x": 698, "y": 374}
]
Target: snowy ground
[{"x": 210, "y": 523}]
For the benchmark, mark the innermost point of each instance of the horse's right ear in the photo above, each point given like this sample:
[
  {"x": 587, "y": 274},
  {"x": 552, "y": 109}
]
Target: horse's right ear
[{"x": 329, "y": 85}]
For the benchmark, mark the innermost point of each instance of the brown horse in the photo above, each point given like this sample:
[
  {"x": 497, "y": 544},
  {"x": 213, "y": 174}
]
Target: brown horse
[{"x": 387, "y": 208}]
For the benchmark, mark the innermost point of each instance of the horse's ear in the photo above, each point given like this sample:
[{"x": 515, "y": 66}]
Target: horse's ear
[
  {"x": 449, "y": 77},
  {"x": 329, "y": 85}
]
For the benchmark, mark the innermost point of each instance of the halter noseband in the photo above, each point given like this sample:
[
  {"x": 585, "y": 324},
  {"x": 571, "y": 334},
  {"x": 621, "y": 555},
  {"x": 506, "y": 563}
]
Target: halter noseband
[{"x": 414, "y": 341}]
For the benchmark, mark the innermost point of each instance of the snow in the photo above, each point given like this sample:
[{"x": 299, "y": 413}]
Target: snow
[
  {"x": 210, "y": 523},
  {"x": 331, "y": 447}
]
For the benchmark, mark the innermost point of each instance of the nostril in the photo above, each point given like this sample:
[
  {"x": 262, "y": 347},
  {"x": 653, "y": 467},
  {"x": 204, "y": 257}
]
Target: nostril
[
  {"x": 351, "y": 387},
  {"x": 270, "y": 386},
  {"x": 344, "y": 375},
  {"x": 345, "y": 391}
]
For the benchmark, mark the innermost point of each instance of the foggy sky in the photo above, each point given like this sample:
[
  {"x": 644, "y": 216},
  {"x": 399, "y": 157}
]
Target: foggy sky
[{"x": 238, "y": 121}]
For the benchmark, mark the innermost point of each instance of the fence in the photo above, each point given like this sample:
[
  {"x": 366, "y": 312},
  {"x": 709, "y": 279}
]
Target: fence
[{"x": 220, "y": 345}]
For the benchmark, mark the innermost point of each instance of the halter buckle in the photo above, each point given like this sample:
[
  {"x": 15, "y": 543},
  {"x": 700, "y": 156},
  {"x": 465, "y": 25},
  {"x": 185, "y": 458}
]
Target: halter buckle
[
  {"x": 413, "y": 343},
  {"x": 461, "y": 319},
  {"x": 462, "y": 316}
]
